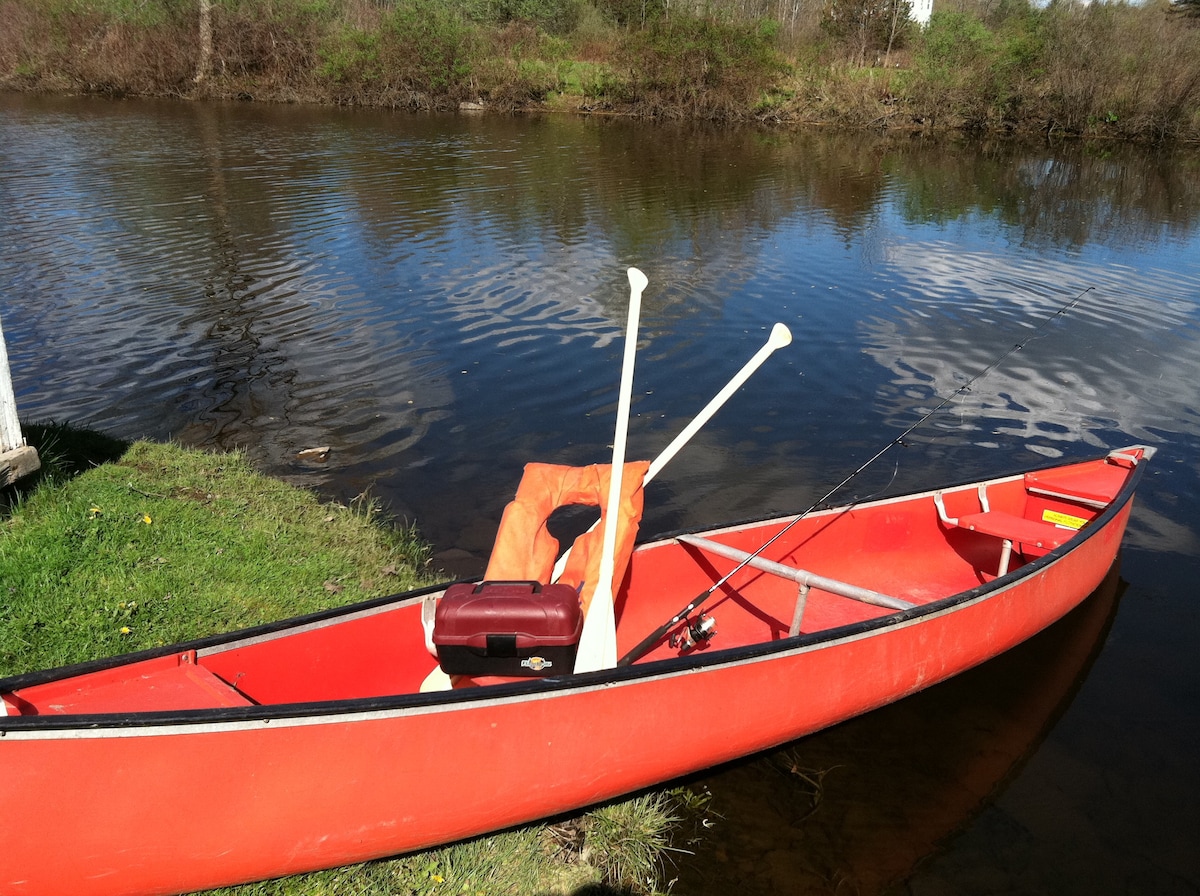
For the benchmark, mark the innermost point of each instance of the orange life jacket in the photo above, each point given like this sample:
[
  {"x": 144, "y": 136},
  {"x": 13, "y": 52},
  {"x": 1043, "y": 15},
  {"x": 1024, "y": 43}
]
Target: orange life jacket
[{"x": 525, "y": 549}]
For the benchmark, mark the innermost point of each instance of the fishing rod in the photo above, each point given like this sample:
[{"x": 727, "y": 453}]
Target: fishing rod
[{"x": 644, "y": 646}]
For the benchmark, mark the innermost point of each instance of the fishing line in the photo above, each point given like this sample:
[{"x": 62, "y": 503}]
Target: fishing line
[
  {"x": 648, "y": 642},
  {"x": 883, "y": 488},
  {"x": 965, "y": 387}
]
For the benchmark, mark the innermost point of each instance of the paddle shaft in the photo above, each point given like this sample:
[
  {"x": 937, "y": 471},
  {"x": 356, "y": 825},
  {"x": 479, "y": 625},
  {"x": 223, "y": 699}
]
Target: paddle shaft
[
  {"x": 644, "y": 646},
  {"x": 598, "y": 642},
  {"x": 780, "y": 336},
  {"x": 637, "y": 283}
]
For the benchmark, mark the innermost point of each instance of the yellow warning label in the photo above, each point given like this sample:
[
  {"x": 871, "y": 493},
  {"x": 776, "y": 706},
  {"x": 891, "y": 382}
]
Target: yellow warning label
[{"x": 1062, "y": 519}]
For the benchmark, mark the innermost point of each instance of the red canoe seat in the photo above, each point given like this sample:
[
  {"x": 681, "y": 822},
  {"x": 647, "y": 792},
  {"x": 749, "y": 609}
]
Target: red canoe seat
[
  {"x": 1008, "y": 527},
  {"x": 1016, "y": 528},
  {"x": 167, "y": 683}
]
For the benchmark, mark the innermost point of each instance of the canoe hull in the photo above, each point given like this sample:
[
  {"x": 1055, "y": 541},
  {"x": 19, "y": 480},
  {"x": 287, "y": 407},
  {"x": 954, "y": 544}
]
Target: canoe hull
[{"x": 174, "y": 802}]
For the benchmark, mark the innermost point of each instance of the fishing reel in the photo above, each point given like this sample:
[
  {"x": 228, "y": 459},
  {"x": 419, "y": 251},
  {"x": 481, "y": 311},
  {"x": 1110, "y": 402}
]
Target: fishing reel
[{"x": 698, "y": 631}]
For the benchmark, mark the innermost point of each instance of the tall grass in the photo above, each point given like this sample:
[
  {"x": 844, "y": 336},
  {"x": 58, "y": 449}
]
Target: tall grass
[{"x": 1103, "y": 69}]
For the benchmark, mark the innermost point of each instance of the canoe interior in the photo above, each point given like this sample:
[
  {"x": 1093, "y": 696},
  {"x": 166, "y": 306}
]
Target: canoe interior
[{"x": 899, "y": 547}]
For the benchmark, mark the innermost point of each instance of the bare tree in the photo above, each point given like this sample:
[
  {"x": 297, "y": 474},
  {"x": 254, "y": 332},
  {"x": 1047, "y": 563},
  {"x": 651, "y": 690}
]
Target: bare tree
[
  {"x": 866, "y": 28},
  {"x": 204, "y": 64},
  {"x": 901, "y": 13}
]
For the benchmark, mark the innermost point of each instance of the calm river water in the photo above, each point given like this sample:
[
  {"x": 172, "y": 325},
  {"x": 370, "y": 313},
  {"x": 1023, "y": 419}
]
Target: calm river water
[{"x": 441, "y": 299}]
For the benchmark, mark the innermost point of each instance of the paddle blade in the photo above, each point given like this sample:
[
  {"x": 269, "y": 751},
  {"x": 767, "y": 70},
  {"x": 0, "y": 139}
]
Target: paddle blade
[{"x": 598, "y": 641}]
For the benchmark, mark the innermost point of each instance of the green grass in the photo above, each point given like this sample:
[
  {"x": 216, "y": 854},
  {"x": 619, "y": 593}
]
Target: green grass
[
  {"x": 166, "y": 544},
  {"x": 116, "y": 548},
  {"x": 627, "y": 840},
  {"x": 615, "y": 850},
  {"x": 515, "y": 862}
]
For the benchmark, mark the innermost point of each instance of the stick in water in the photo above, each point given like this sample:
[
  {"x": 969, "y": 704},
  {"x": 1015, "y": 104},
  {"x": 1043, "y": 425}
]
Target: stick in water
[{"x": 598, "y": 642}]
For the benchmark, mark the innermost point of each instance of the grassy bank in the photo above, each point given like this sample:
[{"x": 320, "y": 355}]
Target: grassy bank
[
  {"x": 997, "y": 66},
  {"x": 121, "y": 547},
  {"x": 163, "y": 544}
]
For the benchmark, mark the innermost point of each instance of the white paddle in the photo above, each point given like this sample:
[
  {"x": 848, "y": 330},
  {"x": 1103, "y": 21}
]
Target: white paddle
[
  {"x": 598, "y": 642},
  {"x": 780, "y": 336}
]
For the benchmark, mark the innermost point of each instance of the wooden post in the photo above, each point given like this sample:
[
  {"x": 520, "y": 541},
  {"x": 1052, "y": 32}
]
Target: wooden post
[{"x": 16, "y": 458}]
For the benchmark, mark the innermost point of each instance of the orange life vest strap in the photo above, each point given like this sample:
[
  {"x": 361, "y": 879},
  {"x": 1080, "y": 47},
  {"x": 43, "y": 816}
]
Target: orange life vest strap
[{"x": 525, "y": 549}]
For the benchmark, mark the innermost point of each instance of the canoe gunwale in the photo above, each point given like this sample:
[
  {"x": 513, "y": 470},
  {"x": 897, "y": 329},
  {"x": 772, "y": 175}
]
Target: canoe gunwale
[{"x": 530, "y": 689}]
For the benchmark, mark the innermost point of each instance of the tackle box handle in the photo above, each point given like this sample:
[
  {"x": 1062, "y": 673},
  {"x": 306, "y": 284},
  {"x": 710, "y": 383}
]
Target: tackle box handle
[{"x": 534, "y": 585}]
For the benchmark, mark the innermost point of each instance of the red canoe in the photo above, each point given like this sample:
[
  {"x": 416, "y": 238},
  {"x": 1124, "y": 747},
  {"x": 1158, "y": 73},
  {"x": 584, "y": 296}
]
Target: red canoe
[{"x": 308, "y": 743}]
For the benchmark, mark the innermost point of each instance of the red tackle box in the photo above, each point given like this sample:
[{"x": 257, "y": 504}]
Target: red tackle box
[{"x": 507, "y": 628}]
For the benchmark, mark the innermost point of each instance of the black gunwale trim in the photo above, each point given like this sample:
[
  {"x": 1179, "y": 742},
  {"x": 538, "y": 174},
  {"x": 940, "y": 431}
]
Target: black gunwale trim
[{"x": 537, "y": 687}]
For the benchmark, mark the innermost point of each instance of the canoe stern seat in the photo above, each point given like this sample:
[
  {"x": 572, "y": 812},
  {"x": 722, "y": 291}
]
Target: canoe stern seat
[
  {"x": 178, "y": 682},
  {"x": 1008, "y": 527},
  {"x": 1016, "y": 528}
]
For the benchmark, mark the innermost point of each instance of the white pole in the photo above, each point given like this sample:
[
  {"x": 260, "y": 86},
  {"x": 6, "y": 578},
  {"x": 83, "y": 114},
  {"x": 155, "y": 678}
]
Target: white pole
[
  {"x": 16, "y": 458},
  {"x": 598, "y": 643},
  {"x": 10, "y": 427}
]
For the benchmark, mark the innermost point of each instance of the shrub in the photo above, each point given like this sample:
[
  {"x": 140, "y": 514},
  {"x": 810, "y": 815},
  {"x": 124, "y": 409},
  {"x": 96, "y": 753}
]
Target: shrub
[
  {"x": 112, "y": 47},
  {"x": 427, "y": 47},
  {"x": 633, "y": 13},
  {"x": 960, "y": 80},
  {"x": 699, "y": 66},
  {"x": 350, "y": 56},
  {"x": 275, "y": 43},
  {"x": 953, "y": 43}
]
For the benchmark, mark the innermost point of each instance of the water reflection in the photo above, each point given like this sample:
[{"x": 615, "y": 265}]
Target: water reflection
[
  {"x": 274, "y": 279},
  {"x": 1065, "y": 385},
  {"x": 439, "y": 299}
]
